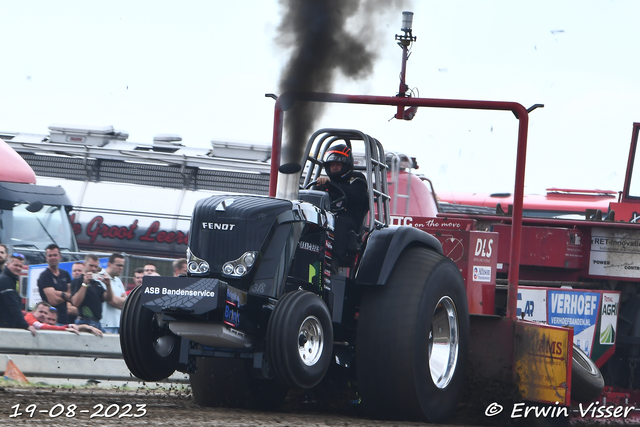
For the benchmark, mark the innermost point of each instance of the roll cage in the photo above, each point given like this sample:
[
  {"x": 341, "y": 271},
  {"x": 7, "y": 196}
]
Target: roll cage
[{"x": 374, "y": 168}]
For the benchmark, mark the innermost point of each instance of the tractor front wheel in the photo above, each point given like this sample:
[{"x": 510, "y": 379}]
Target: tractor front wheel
[
  {"x": 149, "y": 349},
  {"x": 299, "y": 340}
]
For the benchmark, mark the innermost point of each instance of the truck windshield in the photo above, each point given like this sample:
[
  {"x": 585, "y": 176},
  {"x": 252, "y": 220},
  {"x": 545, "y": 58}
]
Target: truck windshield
[{"x": 21, "y": 228}]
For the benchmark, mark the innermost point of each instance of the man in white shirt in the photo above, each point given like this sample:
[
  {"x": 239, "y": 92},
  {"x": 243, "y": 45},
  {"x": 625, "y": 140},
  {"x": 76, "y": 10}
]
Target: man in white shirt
[{"x": 111, "y": 310}]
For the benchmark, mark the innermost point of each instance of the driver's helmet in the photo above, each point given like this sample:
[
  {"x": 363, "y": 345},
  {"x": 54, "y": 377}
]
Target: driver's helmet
[{"x": 338, "y": 153}]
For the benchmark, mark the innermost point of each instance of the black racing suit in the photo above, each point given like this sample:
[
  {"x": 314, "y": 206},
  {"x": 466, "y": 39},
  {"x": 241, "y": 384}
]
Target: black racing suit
[
  {"x": 354, "y": 185},
  {"x": 10, "y": 302}
]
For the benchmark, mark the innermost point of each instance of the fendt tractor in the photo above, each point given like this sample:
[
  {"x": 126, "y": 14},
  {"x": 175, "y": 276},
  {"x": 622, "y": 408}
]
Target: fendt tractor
[{"x": 426, "y": 306}]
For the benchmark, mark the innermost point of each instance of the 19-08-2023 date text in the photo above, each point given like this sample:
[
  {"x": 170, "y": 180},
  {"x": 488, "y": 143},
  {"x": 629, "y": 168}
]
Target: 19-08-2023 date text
[{"x": 71, "y": 411}]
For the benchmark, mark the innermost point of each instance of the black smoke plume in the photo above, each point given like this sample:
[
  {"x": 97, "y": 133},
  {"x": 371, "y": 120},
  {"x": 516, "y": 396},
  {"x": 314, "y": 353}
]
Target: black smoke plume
[{"x": 327, "y": 37}]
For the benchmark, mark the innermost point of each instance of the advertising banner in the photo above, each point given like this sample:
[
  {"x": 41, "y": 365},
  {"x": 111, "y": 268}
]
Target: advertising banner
[
  {"x": 542, "y": 356},
  {"x": 592, "y": 315},
  {"x": 615, "y": 253}
]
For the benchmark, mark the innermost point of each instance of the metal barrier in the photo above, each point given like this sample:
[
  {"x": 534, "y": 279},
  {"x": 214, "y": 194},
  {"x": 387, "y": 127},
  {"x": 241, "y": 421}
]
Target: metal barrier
[{"x": 63, "y": 355}]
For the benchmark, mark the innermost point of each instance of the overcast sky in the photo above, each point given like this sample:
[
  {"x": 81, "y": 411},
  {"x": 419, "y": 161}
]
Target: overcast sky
[{"x": 201, "y": 69}]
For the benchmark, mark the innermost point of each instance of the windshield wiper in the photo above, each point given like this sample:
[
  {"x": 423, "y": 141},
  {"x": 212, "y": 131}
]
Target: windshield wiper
[{"x": 46, "y": 231}]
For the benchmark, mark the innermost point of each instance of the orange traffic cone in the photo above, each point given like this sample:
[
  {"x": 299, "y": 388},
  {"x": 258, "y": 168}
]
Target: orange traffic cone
[{"x": 13, "y": 373}]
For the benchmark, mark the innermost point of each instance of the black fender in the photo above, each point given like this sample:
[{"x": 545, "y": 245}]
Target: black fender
[{"x": 383, "y": 248}]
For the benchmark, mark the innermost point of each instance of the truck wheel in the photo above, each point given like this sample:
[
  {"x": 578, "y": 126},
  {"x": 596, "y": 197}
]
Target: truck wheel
[
  {"x": 412, "y": 341},
  {"x": 149, "y": 350},
  {"x": 299, "y": 340},
  {"x": 223, "y": 382},
  {"x": 586, "y": 380}
]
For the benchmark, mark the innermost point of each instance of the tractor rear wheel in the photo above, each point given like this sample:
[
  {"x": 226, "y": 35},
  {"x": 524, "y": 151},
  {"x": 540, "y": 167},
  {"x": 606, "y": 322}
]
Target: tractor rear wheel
[
  {"x": 299, "y": 340},
  {"x": 148, "y": 348},
  {"x": 413, "y": 336}
]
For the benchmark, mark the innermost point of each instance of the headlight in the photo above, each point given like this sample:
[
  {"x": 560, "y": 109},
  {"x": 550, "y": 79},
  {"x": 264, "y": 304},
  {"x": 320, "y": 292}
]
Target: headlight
[
  {"x": 196, "y": 265},
  {"x": 249, "y": 258},
  {"x": 239, "y": 267},
  {"x": 227, "y": 268}
]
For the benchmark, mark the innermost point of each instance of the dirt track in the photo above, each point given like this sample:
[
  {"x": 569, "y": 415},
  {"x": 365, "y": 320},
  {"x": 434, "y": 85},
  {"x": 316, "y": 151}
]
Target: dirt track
[
  {"x": 100, "y": 406},
  {"x": 172, "y": 407}
]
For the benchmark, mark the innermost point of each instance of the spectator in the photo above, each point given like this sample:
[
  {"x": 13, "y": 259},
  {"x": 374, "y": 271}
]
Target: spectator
[
  {"x": 149, "y": 270},
  {"x": 180, "y": 267},
  {"x": 38, "y": 317},
  {"x": 138, "y": 274},
  {"x": 54, "y": 283},
  {"x": 111, "y": 310},
  {"x": 10, "y": 301},
  {"x": 89, "y": 294},
  {"x": 77, "y": 269},
  {"x": 3, "y": 255},
  {"x": 52, "y": 319}
]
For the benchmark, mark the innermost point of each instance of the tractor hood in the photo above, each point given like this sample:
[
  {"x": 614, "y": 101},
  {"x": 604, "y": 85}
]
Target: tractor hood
[{"x": 225, "y": 227}]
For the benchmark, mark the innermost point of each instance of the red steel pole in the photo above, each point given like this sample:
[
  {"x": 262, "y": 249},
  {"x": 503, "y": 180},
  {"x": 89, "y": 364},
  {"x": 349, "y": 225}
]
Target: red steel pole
[{"x": 517, "y": 109}]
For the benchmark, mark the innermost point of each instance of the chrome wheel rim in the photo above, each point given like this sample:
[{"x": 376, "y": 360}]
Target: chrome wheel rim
[
  {"x": 310, "y": 341},
  {"x": 444, "y": 338}
]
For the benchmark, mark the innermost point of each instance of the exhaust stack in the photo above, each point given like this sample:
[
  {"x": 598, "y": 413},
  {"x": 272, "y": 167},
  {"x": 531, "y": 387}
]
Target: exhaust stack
[{"x": 289, "y": 181}]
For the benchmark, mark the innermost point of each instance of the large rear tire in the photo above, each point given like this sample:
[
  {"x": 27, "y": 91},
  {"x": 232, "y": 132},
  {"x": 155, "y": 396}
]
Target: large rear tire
[
  {"x": 299, "y": 340},
  {"x": 222, "y": 382},
  {"x": 413, "y": 336},
  {"x": 148, "y": 348}
]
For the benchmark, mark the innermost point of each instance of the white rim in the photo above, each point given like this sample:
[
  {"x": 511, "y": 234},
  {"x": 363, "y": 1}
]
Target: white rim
[
  {"x": 443, "y": 342},
  {"x": 310, "y": 341}
]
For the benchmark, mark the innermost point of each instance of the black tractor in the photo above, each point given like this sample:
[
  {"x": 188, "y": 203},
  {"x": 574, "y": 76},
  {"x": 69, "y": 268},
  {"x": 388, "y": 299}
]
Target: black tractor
[{"x": 263, "y": 311}]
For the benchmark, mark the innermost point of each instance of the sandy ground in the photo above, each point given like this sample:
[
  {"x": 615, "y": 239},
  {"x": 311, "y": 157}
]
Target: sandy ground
[
  {"x": 97, "y": 406},
  {"x": 118, "y": 406}
]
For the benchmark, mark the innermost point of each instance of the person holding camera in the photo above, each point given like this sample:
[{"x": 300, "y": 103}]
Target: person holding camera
[
  {"x": 89, "y": 293},
  {"x": 112, "y": 310}
]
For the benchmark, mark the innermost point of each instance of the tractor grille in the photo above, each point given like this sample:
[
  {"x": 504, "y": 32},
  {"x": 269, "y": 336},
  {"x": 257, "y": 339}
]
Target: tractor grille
[{"x": 220, "y": 236}]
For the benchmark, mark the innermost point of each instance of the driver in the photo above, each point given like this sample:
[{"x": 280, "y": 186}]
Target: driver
[{"x": 338, "y": 164}]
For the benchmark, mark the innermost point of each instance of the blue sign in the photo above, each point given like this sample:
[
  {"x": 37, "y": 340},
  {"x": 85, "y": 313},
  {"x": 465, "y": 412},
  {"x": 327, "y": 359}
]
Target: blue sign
[{"x": 571, "y": 308}]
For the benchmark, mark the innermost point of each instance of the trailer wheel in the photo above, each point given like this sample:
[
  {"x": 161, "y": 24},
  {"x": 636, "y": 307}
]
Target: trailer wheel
[
  {"x": 586, "y": 379},
  {"x": 149, "y": 350},
  {"x": 413, "y": 336},
  {"x": 299, "y": 340},
  {"x": 223, "y": 382}
]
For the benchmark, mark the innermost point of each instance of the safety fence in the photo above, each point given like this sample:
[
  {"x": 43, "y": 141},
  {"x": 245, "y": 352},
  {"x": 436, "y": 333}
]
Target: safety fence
[{"x": 66, "y": 356}]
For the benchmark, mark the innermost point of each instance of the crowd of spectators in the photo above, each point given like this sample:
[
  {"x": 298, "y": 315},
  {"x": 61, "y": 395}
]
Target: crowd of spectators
[
  {"x": 90, "y": 299},
  {"x": 3, "y": 255}
]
